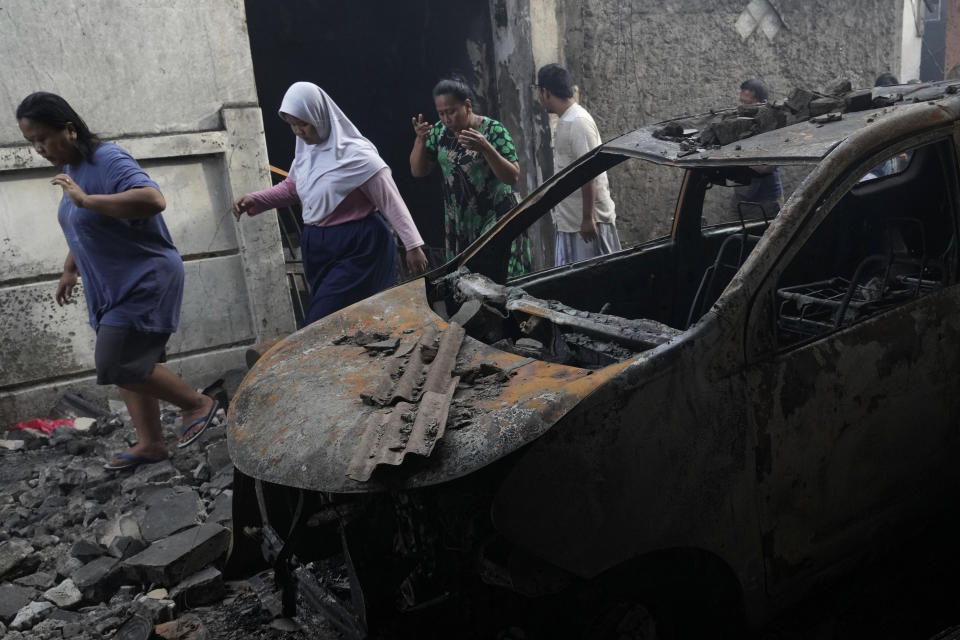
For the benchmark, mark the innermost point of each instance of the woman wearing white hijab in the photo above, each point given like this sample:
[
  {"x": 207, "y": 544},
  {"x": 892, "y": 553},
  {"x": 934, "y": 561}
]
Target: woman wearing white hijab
[{"x": 343, "y": 186}]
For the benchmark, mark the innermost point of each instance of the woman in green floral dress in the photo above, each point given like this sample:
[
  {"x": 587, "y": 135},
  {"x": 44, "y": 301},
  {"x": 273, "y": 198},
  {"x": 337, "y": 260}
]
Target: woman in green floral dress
[{"x": 478, "y": 164}]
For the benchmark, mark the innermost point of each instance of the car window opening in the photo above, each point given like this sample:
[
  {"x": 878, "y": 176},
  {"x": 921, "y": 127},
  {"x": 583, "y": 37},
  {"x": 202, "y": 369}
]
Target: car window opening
[
  {"x": 611, "y": 308},
  {"x": 886, "y": 242}
]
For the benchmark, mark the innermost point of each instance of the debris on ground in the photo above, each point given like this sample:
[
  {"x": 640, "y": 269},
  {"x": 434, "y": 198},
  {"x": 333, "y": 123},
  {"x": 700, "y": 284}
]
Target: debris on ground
[{"x": 86, "y": 553}]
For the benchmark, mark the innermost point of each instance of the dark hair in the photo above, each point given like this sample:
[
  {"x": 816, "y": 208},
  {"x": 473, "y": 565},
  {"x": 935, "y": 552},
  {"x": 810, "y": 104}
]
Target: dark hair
[
  {"x": 556, "y": 80},
  {"x": 455, "y": 87},
  {"x": 886, "y": 80},
  {"x": 758, "y": 87},
  {"x": 53, "y": 111}
]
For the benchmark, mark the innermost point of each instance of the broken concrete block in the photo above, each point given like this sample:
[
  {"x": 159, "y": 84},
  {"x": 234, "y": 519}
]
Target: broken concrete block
[
  {"x": 821, "y": 106},
  {"x": 838, "y": 87},
  {"x": 79, "y": 447},
  {"x": 223, "y": 480},
  {"x": 13, "y": 553},
  {"x": 201, "y": 588},
  {"x": 44, "y": 541},
  {"x": 61, "y": 435},
  {"x": 85, "y": 551},
  {"x": 65, "y": 595},
  {"x": 155, "y": 610},
  {"x": 82, "y": 425},
  {"x": 798, "y": 100},
  {"x": 168, "y": 561},
  {"x": 858, "y": 100},
  {"x": 33, "y": 498},
  {"x": 124, "y": 547},
  {"x": 12, "y": 445},
  {"x": 97, "y": 578},
  {"x": 222, "y": 511},
  {"x": 217, "y": 456},
  {"x": 728, "y": 130},
  {"x": 72, "y": 478},
  {"x": 67, "y": 565},
  {"x": 123, "y": 525},
  {"x": 38, "y": 580},
  {"x": 769, "y": 118},
  {"x": 66, "y": 616},
  {"x": 123, "y": 595},
  {"x": 669, "y": 131},
  {"x": 31, "y": 438},
  {"x": 12, "y": 599},
  {"x": 30, "y": 615},
  {"x": 170, "y": 511}
]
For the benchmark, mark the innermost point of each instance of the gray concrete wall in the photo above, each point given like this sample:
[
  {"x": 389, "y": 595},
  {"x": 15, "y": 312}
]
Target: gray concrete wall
[
  {"x": 515, "y": 23},
  {"x": 644, "y": 61},
  {"x": 172, "y": 83}
]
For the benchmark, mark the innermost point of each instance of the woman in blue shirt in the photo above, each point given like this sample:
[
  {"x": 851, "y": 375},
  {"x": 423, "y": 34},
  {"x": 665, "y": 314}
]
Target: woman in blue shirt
[{"x": 132, "y": 273}]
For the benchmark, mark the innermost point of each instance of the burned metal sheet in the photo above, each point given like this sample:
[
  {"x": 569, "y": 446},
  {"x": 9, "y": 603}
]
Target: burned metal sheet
[
  {"x": 390, "y": 436},
  {"x": 640, "y": 334},
  {"x": 427, "y": 384}
]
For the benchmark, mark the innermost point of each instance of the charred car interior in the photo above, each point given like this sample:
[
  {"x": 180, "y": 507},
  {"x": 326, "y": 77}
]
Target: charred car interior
[{"x": 677, "y": 438}]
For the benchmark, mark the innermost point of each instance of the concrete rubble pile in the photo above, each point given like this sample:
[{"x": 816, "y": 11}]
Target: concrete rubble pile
[{"x": 91, "y": 553}]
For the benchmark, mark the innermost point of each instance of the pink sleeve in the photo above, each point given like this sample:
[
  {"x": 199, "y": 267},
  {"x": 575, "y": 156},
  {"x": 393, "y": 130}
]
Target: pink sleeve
[
  {"x": 282, "y": 194},
  {"x": 382, "y": 191}
]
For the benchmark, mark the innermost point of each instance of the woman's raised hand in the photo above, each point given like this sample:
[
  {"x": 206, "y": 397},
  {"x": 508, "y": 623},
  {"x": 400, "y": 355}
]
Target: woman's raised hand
[
  {"x": 241, "y": 206},
  {"x": 420, "y": 126},
  {"x": 70, "y": 188},
  {"x": 416, "y": 261},
  {"x": 472, "y": 140}
]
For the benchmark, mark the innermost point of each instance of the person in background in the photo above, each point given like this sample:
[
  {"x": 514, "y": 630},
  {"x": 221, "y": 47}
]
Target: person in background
[
  {"x": 886, "y": 80},
  {"x": 132, "y": 273},
  {"x": 766, "y": 189},
  {"x": 478, "y": 165},
  {"x": 343, "y": 186},
  {"x": 585, "y": 222}
]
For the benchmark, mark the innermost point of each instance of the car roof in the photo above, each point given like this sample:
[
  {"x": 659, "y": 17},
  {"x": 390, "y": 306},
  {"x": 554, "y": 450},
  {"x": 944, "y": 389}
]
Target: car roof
[{"x": 805, "y": 142}]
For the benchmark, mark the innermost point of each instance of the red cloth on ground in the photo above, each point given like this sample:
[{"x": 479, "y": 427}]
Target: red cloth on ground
[{"x": 41, "y": 424}]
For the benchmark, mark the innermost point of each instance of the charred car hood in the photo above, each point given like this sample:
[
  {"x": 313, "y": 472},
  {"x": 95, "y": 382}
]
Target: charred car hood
[{"x": 313, "y": 411}]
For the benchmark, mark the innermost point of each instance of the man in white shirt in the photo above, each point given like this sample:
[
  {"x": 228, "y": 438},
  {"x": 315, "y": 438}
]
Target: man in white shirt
[{"x": 585, "y": 223}]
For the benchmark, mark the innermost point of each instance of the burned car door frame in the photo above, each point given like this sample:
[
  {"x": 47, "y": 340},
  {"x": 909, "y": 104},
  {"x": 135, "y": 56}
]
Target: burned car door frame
[{"x": 838, "y": 441}]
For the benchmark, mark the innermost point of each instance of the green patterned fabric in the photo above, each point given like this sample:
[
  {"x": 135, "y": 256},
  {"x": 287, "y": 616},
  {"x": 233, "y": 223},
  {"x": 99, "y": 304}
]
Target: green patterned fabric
[{"x": 473, "y": 197}]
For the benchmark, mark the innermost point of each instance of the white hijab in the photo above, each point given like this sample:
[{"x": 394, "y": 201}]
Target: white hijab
[{"x": 327, "y": 172}]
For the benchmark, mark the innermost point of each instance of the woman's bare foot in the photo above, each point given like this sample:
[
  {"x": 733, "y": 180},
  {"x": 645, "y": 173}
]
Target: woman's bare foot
[
  {"x": 191, "y": 416},
  {"x": 138, "y": 454}
]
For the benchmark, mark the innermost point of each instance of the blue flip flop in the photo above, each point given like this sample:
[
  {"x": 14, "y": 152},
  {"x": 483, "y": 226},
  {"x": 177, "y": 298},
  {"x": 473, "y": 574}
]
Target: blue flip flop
[
  {"x": 132, "y": 462},
  {"x": 204, "y": 422}
]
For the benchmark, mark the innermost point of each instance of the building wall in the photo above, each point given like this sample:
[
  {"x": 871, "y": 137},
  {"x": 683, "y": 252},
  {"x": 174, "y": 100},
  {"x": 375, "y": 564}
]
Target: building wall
[
  {"x": 911, "y": 49},
  {"x": 647, "y": 60},
  {"x": 172, "y": 83}
]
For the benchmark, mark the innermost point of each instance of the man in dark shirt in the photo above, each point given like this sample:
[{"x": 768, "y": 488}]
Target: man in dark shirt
[{"x": 766, "y": 189}]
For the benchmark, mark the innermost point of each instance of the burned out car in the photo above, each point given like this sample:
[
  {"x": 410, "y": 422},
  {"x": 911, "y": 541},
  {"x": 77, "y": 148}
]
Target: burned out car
[{"x": 686, "y": 436}]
